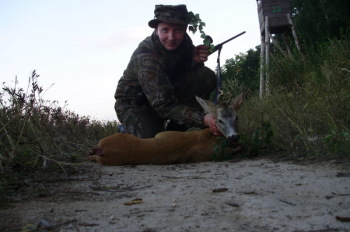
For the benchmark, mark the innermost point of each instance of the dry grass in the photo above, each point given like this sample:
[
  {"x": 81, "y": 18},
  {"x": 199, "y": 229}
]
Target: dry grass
[{"x": 39, "y": 134}]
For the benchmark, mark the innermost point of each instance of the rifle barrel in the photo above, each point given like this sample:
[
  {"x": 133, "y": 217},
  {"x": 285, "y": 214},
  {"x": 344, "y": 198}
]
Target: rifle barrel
[{"x": 219, "y": 46}]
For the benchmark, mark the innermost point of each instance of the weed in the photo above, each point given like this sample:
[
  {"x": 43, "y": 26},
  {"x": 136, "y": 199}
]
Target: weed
[
  {"x": 308, "y": 110},
  {"x": 40, "y": 134},
  {"x": 221, "y": 150}
]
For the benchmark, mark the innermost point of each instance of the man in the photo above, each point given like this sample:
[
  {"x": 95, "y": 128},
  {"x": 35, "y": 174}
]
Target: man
[{"x": 164, "y": 75}]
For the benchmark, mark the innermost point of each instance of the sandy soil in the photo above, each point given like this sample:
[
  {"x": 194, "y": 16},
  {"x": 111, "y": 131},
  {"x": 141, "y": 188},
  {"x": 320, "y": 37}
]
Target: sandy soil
[{"x": 248, "y": 195}]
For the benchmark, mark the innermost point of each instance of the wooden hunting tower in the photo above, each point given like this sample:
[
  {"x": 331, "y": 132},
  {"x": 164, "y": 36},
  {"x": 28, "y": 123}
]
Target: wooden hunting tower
[
  {"x": 276, "y": 11},
  {"x": 274, "y": 18}
]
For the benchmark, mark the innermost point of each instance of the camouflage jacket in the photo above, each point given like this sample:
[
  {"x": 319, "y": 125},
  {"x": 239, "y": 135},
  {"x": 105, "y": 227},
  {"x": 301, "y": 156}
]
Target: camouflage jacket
[{"x": 150, "y": 78}]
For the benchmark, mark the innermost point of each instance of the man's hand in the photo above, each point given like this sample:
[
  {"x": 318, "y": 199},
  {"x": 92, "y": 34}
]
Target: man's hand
[
  {"x": 210, "y": 122},
  {"x": 200, "y": 53}
]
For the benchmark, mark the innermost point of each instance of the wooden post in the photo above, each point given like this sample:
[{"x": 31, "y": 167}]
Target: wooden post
[
  {"x": 275, "y": 42},
  {"x": 285, "y": 39},
  {"x": 262, "y": 66},
  {"x": 267, "y": 55},
  {"x": 294, "y": 32},
  {"x": 274, "y": 18}
]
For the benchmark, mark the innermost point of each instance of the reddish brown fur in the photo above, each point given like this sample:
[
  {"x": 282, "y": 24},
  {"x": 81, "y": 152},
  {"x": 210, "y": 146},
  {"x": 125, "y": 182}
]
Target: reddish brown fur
[{"x": 168, "y": 147}]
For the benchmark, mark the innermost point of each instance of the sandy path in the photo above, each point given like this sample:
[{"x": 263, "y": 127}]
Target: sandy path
[{"x": 251, "y": 195}]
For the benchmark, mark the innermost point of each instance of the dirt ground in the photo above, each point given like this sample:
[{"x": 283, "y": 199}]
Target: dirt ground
[{"x": 246, "y": 195}]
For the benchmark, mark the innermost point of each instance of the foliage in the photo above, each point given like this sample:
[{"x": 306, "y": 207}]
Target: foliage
[
  {"x": 222, "y": 151},
  {"x": 196, "y": 23},
  {"x": 240, "y": 74},
  {"x": 308, "y": 109},
  {"x": 40, "y": 134},
  {"x": 316, "y": 21}
]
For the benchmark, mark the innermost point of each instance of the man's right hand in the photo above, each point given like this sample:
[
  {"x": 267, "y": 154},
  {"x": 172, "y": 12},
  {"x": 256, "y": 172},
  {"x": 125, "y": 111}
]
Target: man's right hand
[{"x": 210, "y": 122}]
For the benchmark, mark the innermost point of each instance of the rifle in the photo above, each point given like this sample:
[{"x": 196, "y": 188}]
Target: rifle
[
  {"x": 218, "y": 70},
  {"x": 219, "y": 46}
]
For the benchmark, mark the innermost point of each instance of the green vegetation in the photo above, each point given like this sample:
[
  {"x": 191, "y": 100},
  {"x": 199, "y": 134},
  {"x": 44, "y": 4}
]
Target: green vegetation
[
  {"x": 196, "y": 23},
  {"x": 38, "y": 134},
  {"x": 319, "y": 20},
  {"x": 307, "y": 113}
]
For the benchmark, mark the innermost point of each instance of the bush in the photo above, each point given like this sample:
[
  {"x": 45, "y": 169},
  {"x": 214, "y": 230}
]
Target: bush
[{"x": 308, "y": 110}]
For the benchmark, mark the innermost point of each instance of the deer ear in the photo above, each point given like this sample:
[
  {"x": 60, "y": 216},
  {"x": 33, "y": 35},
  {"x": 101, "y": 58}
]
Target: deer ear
[
  {"x": 237, "y": 102},
  {"x": 207, "y": 106}
]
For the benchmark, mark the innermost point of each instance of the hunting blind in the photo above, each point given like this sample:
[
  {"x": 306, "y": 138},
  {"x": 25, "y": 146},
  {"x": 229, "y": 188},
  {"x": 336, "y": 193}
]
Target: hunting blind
[
  {"x": 276, "y": 11},
  {"x": 274, "y": 18}
]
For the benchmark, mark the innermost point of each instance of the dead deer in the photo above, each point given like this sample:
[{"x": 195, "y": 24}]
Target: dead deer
[{"x": 171, "y": 147}]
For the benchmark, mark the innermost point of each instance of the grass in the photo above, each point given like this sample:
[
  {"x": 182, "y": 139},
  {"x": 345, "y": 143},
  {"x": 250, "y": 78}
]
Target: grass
[
  {"x": 36, "y": 134},
  {"x": 307, "y": 114}
]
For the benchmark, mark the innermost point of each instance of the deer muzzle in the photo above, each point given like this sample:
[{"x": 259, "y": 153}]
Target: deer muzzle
[
  {"x": 234, "y": 143},
  {"x": 233, "y": 139}
]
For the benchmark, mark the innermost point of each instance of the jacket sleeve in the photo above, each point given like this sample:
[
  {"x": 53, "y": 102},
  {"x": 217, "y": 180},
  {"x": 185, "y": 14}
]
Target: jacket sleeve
[{"x": 160, "y": 94}]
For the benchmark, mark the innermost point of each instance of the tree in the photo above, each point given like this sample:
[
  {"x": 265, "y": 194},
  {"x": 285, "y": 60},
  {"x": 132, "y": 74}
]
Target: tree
[
  {"x": 319, "y": 20},
  {"x": 243, "y": 70}
]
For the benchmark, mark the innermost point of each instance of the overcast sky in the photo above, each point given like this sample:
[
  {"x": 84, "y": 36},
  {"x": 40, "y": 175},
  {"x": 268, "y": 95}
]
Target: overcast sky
[{"x": 82, "y": 47}]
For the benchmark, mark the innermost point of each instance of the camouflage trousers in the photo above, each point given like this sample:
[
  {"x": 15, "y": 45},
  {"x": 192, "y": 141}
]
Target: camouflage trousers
[{"x": 143, "y": 121}]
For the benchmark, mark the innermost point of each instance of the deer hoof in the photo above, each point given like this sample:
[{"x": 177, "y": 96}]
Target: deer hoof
[{"x": 96, "y": 151}]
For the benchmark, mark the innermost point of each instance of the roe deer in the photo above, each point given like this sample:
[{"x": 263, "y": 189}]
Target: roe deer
[{"x": 171, "y": 147}]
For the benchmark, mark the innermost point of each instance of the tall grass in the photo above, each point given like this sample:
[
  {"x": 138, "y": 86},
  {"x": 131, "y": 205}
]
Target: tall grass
[
  {"x": 308, "y": 111},
  {"x": 39, "y": 134}
]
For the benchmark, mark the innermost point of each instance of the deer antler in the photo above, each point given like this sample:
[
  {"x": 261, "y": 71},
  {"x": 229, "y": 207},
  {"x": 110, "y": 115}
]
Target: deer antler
[
  {"x": 221, "y": 92},
  {"x": 224, "y": 98}
]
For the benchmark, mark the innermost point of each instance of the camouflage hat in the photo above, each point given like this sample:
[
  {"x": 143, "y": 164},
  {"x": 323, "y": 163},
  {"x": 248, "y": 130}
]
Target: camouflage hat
[{"x": 177, "y": 14}]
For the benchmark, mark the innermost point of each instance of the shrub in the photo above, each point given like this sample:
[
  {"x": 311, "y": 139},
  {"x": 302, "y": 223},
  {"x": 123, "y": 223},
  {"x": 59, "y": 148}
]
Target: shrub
[{"x": 308, "y": 110}]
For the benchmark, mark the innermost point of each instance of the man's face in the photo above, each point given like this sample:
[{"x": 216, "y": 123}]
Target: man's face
[{"x": 171, "y": 35}]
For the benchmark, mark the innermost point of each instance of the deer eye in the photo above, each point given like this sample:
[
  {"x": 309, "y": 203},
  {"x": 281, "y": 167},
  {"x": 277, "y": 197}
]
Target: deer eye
[{"x": 220, "y": 121}]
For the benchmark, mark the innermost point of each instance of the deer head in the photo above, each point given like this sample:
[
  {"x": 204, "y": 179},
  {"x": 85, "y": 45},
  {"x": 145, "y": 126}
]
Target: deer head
[{"x": 226, "y": 116}]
